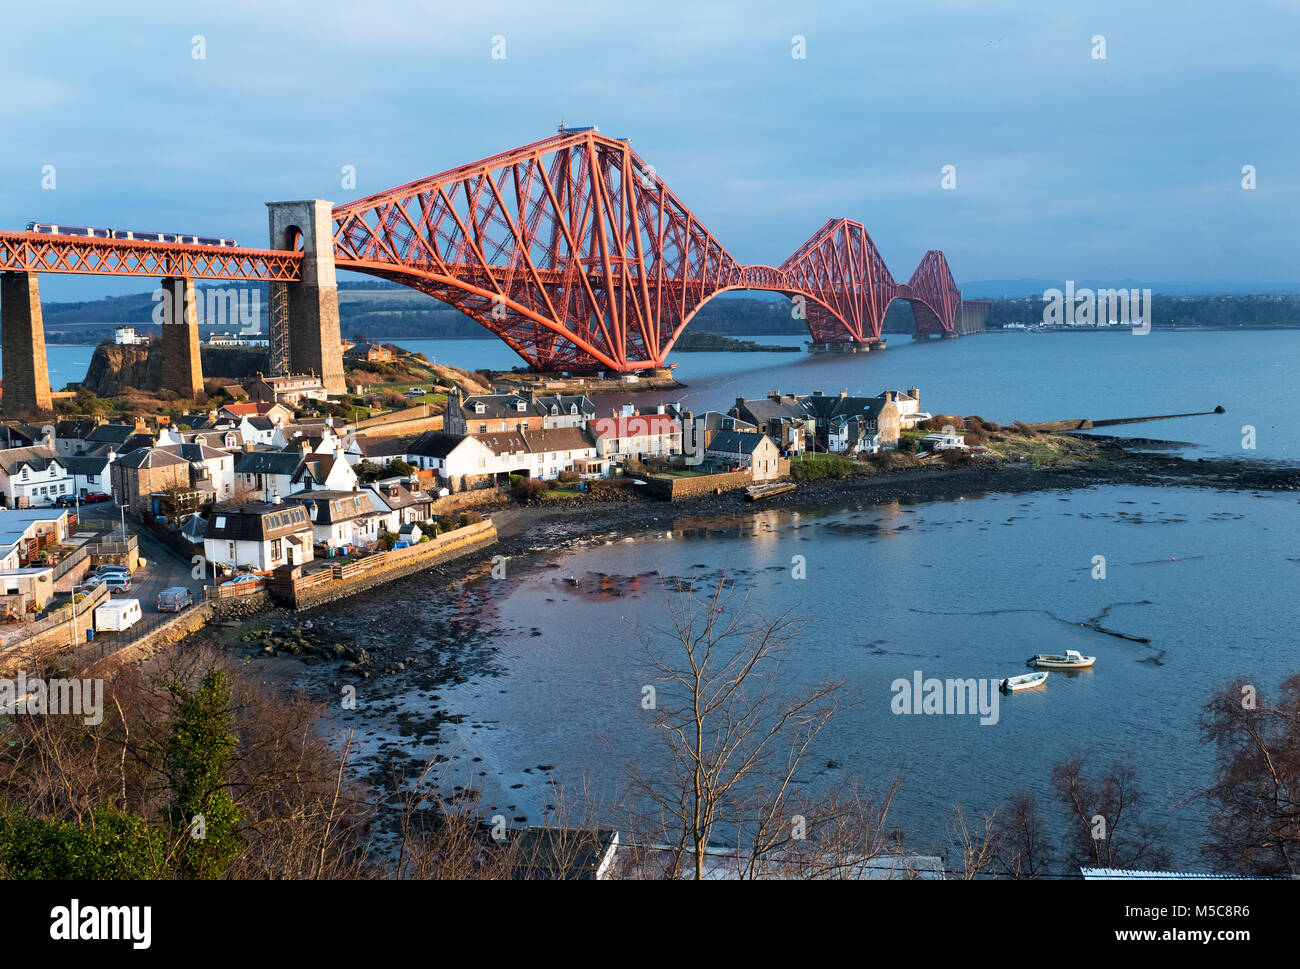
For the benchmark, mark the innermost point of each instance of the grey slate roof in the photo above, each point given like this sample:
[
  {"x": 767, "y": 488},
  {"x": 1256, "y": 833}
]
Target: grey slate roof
[
  {"x": 268, "y": 462},
  {"x": 733, "y": 442},
  {"x": 150, "y": 457},
  {"x": 38, "y": 458},
  {"x": 434, "y": 444},
  {"x": 84, "y": 464},
  {"x": 257, "y": 521},
  {"x": 334, "y": 506},
  {"x": 116, "y": 434}
]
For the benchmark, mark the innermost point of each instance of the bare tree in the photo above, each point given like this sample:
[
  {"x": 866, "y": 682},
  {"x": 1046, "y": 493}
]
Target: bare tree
[
  {"x": 1255, "y": 796},
  {"x": 1107, "y": 827},
  {"x": 1023, "y": 847},
  {"x": 977, "y": 845},
  {"x": 734, "y": 744}
]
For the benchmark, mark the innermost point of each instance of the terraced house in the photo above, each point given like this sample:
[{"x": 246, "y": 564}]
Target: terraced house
[
  {"x": 340, "y": 518},
  {"x": 495, "y": 413},
  {"x": 542, "y": 453},
  {"x": 33, "y": 476},
  {"x": 491, "y": 414}
]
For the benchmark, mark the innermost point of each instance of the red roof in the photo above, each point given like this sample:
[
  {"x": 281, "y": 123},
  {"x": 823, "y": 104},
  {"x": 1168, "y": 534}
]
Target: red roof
[
  {"x": 643, "y": 425},
  {"x": 250, "y": 409}
]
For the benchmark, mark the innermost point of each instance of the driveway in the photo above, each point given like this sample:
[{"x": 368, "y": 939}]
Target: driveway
[{"x": 163, "y": 566}]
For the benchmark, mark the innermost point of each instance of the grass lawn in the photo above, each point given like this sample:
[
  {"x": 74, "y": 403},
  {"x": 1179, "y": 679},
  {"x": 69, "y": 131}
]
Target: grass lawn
[
  {"x": 559, "y": 494},
  {"x": 680, "y": 473}
]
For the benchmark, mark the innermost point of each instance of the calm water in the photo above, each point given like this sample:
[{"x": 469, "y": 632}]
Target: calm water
[
  {"x": 1001, "y": 377},
  {"x": 1019, "y": 376},
  {"x": 960, "y": 588}
]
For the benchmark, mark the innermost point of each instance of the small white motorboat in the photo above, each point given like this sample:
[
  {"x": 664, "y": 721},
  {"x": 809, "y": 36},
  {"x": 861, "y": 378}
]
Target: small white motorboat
[
  {"x": 1025, "y": 681},
  {"x": 1072, "y": 660}
]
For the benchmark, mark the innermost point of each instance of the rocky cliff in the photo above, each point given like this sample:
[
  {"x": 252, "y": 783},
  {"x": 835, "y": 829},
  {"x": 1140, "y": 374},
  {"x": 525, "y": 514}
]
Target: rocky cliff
[{"x": 114, "y": 368}]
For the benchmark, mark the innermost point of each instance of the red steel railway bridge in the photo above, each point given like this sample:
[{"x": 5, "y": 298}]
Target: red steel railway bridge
[{"x": 571, "y": 249}]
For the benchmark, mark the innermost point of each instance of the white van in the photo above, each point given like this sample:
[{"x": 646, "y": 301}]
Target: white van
[{"x": 117, "y": 616}]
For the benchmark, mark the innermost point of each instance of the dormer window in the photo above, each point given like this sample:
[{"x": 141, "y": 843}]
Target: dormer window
[
  {"x": 573, "y": 408},
  {"x": 480, "y": 408},
  {"x": 521, "y": 406}
]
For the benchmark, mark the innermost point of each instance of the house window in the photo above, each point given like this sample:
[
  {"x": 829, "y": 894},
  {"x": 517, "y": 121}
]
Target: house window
[
  {"x": 275, "y": 549},
  {"x": 482, "y": 429}
]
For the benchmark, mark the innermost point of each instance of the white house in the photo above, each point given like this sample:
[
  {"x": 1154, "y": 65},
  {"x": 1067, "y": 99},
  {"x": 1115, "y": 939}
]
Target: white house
[
  {"x": 400, "y": 501},
  {"x": 259, "y": 535},
  {"x": 636, "y": 436},
  {"x": 90, "y": 472},
  {"x": 33, "y": 476},
  {"x": 125, "y": 336},
  {"x": 540, "y": 454},
  {"x": 330, "y": 472},
  {"x": 458, "y": 459},
  {"x": 376, "y": 449},
  {"x": 565, "y": 410},
  {"x": 340, "y": 518},
  {"x": 256, "y": 429},
  {"x": 264, "y": 474}
]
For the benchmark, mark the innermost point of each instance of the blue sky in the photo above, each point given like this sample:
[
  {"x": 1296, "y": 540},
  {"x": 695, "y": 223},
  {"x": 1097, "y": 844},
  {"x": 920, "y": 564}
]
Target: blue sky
[{"x": 1067, "y": 167}]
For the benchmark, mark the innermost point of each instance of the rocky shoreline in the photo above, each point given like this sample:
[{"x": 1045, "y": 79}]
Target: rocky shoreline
[{"x": 439, "y": 628}]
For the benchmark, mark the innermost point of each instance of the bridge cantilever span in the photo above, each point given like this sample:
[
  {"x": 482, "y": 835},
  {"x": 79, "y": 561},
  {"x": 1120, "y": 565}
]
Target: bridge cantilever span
[{"x": 574, "y": 252}]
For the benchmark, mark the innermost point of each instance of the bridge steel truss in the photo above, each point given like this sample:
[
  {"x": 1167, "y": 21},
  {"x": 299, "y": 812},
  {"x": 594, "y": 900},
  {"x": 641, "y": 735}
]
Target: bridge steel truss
[
  {"x": 38, "y": 252},
  {"x": 574, "y": 252}
]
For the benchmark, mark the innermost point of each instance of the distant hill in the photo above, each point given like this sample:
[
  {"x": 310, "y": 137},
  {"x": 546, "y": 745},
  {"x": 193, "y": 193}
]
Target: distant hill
[
  {"x": 1012, "y": 288},
  {"x": 387, "y": 311}
]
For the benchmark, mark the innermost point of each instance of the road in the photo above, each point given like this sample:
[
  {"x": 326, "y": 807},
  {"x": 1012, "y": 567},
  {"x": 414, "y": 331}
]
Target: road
[{"x": 163, "y": 567}]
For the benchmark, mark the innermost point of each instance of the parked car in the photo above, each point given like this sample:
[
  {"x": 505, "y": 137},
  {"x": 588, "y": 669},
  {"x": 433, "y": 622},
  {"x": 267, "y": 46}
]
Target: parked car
[
  {"x": 65, "y": 501},
  {"x": 174, "y": 599},
  {"x": 96, "y": 496},
  {"x": 246, "y": 577},
  {"x": 117, "y": 582},
  {"x": 107, "y": 570}
]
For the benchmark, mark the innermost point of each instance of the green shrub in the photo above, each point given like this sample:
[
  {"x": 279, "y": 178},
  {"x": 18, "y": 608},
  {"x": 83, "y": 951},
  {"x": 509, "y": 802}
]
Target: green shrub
[{"x": 823, "y": 466}]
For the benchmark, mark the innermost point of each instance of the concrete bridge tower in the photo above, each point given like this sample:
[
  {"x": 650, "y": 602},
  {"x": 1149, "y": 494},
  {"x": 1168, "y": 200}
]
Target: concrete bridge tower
[{"x": 313, "y": 337}]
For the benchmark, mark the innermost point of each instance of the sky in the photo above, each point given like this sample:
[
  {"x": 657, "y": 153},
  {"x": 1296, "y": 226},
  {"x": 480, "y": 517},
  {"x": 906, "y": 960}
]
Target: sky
[{"x": 1067, "y": 165}]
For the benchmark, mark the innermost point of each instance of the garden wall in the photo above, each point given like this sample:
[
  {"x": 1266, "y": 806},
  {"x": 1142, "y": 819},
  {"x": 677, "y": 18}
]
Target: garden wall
[
  {"x": 679, "y": 489},
  {"x": 314, "y": 589}
]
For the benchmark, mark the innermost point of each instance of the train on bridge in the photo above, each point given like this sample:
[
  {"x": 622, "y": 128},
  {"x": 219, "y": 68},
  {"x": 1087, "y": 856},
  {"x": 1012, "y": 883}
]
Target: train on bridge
[{"x": 50, "y": 228}]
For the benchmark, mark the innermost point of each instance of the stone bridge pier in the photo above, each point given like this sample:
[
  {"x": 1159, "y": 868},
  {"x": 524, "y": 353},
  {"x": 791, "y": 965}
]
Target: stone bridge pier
[
  {"x": 313, "y": 335},
  {"x": 26, "y": 377}
]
